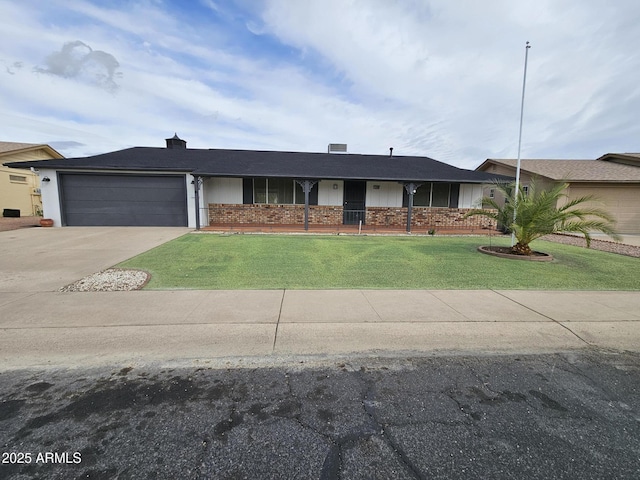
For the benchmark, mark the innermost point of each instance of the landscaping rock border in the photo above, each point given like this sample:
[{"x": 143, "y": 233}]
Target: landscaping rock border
[
  {"x": 110, "y": 280},
  {"x": 602, "y": 245}
]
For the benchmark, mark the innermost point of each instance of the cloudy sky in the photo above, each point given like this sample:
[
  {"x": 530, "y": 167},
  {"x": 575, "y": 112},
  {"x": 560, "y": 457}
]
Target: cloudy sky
[{"x": 439, "y": 78}]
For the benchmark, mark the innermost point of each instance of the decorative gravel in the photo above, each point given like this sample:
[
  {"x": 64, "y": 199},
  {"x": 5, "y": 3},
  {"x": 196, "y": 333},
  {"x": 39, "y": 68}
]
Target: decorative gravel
[
  {"x": 602, "y": 245},
  {"x": 110, "y": 280}
]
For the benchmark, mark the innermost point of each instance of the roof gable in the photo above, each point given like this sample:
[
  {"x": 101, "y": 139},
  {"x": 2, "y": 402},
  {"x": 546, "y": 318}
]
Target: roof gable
[
  {"x": 624, "y": 158},
  {"x": 572, "y": 170},
  {"x": 13, "y": 148}
]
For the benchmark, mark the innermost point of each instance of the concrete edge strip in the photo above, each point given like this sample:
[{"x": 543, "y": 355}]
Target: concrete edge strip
[{"x": 381, "y": 323}]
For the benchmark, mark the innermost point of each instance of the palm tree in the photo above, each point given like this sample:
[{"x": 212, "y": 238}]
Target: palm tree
[{"x": 538, "y": 214}]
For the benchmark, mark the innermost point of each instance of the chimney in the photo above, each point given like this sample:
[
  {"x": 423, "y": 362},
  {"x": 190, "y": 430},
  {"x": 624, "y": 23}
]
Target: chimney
[
  {"x": 176, "y": 142},
  {"x": 391, "y": 151}
]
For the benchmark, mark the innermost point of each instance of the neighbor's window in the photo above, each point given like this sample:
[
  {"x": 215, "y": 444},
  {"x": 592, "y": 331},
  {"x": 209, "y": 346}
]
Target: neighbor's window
[
  {"x": 17, "y": 178},
  {"x": 492, "y": 193},
  {"x": 432, "y": 195},
  {"x": 525, "y": 190},
  {"x": 277, "y": 191}
]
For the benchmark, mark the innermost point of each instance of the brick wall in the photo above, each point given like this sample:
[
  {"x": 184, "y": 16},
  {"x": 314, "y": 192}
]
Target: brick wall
[
  {"x": 324, "y": 215},
  {"x": 259, "y": 214},
  {"x": 422, "y": 217}
]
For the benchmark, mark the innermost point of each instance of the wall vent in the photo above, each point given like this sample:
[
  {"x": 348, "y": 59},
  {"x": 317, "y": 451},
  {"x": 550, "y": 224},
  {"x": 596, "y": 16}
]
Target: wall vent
[{"x": 337, "y": 148}]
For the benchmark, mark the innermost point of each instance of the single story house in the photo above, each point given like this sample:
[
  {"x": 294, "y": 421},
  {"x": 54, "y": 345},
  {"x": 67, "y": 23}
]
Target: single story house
[
  {"x": 613, "y": 179},
  {"x": 20, "y": 188},
  {"x": 179, "y": 186}
]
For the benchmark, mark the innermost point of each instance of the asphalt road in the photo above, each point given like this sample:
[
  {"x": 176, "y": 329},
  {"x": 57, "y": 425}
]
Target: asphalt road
[{"x": 573, "y": 415}]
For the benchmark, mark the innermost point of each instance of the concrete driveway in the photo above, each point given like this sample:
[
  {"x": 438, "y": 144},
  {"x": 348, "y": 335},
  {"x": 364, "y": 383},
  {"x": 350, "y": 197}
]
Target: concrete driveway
[{"x": 45, "y": 259}]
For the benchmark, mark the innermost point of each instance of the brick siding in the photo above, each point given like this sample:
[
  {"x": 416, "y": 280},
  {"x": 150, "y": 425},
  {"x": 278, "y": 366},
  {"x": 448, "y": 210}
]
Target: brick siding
[
  {"x": 422, "y": 217},
  {"x": 425, "y": 217},
  {"x": 259, "y": 214}
]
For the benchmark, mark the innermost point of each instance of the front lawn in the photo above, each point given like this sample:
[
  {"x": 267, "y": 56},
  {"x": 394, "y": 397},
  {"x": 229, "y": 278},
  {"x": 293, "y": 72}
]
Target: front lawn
[{"x": 207, "y": 261}]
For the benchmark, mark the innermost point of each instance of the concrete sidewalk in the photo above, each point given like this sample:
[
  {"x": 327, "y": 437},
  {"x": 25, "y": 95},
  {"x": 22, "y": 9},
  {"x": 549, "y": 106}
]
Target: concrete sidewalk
[
  {"x": 42, "y": 326},
  {"x": 92, "y": 328}
]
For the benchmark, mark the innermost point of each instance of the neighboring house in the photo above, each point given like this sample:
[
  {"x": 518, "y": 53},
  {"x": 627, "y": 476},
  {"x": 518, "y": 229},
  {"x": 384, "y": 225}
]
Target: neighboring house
[
  {"x": 614, "y": 179},
  {"x": 162, "y": 186},
  {"x": 19, "y": 188}
]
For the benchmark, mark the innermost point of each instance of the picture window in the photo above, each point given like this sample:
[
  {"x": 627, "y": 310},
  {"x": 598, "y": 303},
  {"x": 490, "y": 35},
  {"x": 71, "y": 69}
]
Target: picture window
[{"x": 282, "y": 191}]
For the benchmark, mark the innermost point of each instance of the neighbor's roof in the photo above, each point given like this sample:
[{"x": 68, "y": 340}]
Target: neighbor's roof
[
  {"x": 573, "y": 170},
  {"x": 251, "y": 163},
  {"x": 627, "y": 158},
  {"x": 15, "y": 147}
]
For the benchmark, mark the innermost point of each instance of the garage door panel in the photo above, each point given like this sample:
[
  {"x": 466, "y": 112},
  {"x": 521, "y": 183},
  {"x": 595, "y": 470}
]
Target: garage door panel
[
  {"x": 149, "y": 208},
  {"x": 621, "y": 201},
  {"x": 124, "y": 220},
  {"x": 123, "y": 194},
  {"x": 124, "y": 200}
]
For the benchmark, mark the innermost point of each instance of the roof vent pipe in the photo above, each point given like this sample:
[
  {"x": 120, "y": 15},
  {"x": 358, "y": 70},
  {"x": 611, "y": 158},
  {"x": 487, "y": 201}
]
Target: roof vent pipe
[
  {"x": 391, "y": 151},
  {"x": 176, "y": 142}
]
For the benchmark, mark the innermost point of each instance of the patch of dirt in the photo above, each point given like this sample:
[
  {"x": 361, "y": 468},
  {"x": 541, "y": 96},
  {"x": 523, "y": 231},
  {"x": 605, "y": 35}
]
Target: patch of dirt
[{"x": 507, "y": 251}]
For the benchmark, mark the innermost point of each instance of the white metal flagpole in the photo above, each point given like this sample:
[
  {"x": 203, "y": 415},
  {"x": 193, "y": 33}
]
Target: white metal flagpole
[{"x": 515, "y": 194}]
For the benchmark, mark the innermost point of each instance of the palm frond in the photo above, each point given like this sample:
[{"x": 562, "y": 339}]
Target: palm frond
[{"x": 537, "y": 213}]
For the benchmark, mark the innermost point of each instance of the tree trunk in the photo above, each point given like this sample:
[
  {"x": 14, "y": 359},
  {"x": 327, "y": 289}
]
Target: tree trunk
[{"x": 521, "y": 249}]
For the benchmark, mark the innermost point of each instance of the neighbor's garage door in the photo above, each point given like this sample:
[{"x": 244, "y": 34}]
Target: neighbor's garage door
[
  {"x": 621, "y": 201},
  {"x": 123, "y": 200}
]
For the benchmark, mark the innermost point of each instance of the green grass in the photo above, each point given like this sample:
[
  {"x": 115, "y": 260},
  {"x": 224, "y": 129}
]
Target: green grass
[{"x": 208, "y": 261}]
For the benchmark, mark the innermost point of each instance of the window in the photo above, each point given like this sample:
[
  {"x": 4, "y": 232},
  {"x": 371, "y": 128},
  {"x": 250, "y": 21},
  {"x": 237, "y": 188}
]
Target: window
[
  {"x": 277, "y": 191},
  {"x": 525, "y": 190},
  {"x": 492, "y": 193},
  {"x": 440, "y": 194},
  {"x": 17, "y": 179},
  {"x": 432, "y": 195},
  {"x": 422, "y": 197}
]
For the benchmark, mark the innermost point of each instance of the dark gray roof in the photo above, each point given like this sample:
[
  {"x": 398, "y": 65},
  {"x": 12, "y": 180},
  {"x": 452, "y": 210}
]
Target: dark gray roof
[{"x": 251, "y": 163}]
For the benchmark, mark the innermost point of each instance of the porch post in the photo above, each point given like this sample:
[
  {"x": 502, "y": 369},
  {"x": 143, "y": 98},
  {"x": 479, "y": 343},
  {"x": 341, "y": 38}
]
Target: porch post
[
  {"x": 411, "y": 188},
  {"x": 306, "y": 185},
  {"x": 197, "y": 181}
]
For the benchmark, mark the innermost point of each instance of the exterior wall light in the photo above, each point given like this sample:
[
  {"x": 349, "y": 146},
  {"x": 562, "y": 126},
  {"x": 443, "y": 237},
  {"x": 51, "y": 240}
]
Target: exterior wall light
[{"x": 46, "y": 179}]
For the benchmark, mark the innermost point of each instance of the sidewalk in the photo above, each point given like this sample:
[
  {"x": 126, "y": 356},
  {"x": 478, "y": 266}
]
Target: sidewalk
[
  {"x": 92, "y": 328},
  {"x": 42, "y": 326}
]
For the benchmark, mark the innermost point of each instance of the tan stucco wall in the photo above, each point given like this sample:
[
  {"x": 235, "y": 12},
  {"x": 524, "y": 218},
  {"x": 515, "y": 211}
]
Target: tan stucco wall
[
  {"x": 525, "y": 179},
  {"x": 16, "y": 194}
]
